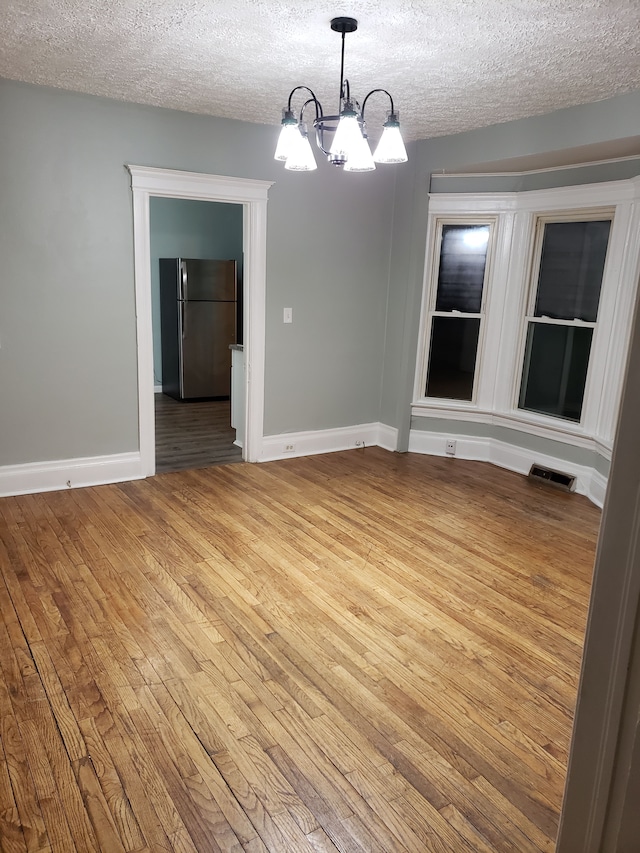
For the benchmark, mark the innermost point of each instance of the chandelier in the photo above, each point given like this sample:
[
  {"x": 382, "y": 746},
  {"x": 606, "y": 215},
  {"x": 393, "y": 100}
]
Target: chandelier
[{"x": 341, "y": 138}]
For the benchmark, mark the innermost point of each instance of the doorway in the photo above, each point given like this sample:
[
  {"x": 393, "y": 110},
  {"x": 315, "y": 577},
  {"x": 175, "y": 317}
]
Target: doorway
[
  {"x": 148, "y": 182},
  {"x": 195, "y": 433}
]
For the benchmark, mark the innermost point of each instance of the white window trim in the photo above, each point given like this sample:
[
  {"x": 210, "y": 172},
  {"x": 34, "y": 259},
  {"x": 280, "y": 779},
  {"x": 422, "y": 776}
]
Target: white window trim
[
  {"x": 498, "y": 366},
  {"x": 597, "y": 360},
  {"x": 429, "y": 302}
]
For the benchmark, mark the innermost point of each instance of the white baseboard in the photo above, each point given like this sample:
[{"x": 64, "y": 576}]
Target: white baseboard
[
  {"x": 598, "y": 488},
  {"x": 157, "y": 389},
  {"x": 98, "y": 470},
  {"x": 69, "y": 473},
  {"x": 588, "y": 481},
  {"x": 328, "y": 441},
  {"x": 387, "y": 437}
]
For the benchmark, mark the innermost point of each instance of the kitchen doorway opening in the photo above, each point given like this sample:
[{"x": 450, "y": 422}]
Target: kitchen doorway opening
[
  {"x": 147, "y": 183},
  {"x": 197, "y": 314}
]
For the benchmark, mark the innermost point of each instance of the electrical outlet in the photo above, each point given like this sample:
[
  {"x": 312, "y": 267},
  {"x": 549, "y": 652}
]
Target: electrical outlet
[
  {"x": 289, "y": 448},
  {"x": 450, "y": 448},
  {"x": 359, "y": 443}
]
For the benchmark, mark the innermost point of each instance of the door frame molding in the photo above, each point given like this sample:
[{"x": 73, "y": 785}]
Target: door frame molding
[{"x": 149, "y": 181}]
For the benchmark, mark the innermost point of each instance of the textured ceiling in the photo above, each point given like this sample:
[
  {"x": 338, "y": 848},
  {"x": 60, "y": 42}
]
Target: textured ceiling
[{"x": 451, "y": 65}]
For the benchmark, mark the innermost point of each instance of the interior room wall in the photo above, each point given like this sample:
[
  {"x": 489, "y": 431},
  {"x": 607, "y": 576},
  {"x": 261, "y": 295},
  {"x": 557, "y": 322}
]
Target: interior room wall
[
  {"x": 67, "y": 322},
  {"x": 345, "y": 251},
  {"x": 183, "y": 228}
]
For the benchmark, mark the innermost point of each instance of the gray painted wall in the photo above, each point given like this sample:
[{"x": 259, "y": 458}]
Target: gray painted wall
[
  {"x": 615, "y": 118},
  {"x": 67, "y": 318},
  {"x": 181, "y": 228},
  {"x": 345, "y": 251}
]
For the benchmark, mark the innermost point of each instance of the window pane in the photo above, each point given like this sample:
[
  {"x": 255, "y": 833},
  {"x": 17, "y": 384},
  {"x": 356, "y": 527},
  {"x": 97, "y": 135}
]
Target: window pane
[
  {"x": 571, "y": 268},
  {"x": 463, "y": 257},
  {"x": 555, "y": 370},
  {"x": 452, "y": 360}
]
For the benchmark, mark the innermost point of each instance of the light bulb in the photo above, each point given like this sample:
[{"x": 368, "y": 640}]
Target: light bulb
[
  {"x": 348, "y": 135},
  {"x": 360, "y": 159},
  {"x": 391, "y": 147},
  {"x": 287, "y": 137},
  {"x": 301, "y": 157},
  {"x": 286, "y": 141}
]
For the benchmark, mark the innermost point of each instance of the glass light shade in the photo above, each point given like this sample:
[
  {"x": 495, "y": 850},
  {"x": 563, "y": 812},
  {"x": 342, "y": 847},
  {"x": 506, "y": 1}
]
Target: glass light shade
[
  {"x": 360, "y": 159},
  {"x": 301, "y": 157},
  {"x": 286, "y": 140},
  {"x": 390, "y": 147},
  {"x": 347, "y": 136}
]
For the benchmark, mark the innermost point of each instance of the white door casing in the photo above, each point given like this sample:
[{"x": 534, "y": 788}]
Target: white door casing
[{"x": 252, "y": 195}]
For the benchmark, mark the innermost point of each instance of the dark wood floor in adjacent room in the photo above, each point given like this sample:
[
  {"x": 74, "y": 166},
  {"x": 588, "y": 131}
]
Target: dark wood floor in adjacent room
[
  {"x": 361, "y": 651},
  {"x": 193, "y": 435}
]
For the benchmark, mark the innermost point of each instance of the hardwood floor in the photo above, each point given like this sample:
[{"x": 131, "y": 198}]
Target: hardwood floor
[
  {"x": 362, "y": 651},
  {"x": 193, "y": 435}
]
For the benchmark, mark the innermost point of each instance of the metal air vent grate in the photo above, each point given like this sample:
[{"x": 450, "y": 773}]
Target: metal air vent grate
[{"x": 566, "y": 482}]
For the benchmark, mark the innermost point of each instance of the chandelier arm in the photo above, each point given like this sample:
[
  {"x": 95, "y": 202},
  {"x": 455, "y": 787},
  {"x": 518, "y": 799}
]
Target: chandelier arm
[
  {"x": 320, "y": 139},
  {"x": 313, "y": 98},
  {"x": 372, "y": 92},
  {"x": 317, "y": 105},
  {"x": 322, "y": 125},
  {"x": 319, "y": 127}
]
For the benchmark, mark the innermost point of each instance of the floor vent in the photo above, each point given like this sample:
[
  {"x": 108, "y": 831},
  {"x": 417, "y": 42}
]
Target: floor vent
[{"x": 566, "y": 482}]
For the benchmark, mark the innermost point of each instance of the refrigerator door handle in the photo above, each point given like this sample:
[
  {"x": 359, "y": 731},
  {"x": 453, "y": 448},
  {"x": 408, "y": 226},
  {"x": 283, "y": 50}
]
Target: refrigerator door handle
[
  {"x": 183, "y": 279},
  {"x": 180, "y": 349}
]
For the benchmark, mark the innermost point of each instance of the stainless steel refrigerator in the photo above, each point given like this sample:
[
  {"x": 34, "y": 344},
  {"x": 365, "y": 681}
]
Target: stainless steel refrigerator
[{"x": 198, "y": 323}]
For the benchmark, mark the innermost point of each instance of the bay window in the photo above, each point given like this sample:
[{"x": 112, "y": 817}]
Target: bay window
[
  {"x": 562, "y": 313},
  {"x": 526, "y": 314}
]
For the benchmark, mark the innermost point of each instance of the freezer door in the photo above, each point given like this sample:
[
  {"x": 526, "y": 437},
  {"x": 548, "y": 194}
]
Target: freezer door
[
  {"x": 207, "y": 329},
  {"x": 207, "y": 280}
]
